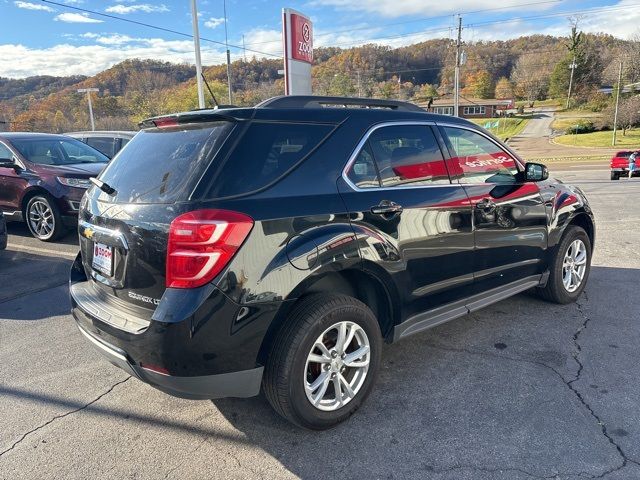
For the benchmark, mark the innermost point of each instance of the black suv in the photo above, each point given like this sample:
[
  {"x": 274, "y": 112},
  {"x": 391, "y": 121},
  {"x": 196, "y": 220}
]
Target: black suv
[{"x": 279, "y": 246}]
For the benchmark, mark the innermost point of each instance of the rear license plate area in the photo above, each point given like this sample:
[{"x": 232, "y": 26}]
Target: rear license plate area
[{"x": 102, "y": 260}]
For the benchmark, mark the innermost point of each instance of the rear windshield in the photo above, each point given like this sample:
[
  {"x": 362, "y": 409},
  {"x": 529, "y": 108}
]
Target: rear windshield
[
  {"x": 57, "y": 151},
  {"x": 162, "y": 165},
  {"x": 265, "y": 153}
]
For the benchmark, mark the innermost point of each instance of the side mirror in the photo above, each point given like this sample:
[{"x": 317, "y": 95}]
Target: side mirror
[
  {"x": 535, "y": 172},
  {"x": 7, "y": 163}
]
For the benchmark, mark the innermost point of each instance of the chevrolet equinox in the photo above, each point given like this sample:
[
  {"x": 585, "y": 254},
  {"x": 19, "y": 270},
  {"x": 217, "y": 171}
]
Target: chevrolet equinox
[{"x": 231, "y": 250}]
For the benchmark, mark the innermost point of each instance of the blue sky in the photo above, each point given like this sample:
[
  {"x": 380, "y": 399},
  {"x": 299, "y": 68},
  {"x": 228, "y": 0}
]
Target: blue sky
[{"x": 44, "y": 38}]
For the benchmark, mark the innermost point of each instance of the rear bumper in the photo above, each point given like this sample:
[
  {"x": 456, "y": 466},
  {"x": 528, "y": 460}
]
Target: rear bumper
[
  {"x": 245, "y": 383},
  {"x": 195, "y": 344}
]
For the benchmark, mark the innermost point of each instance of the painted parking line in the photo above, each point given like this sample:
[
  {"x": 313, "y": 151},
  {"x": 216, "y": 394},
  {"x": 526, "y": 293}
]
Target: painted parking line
[{"x": 45, "y": 251}]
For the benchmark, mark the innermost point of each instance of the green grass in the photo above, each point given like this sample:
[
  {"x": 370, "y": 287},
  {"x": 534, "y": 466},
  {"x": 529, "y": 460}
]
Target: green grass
[
  {"x": 551, "y": 102},
  {"x": 601, "y": 139},
  {"x": 569, "y": 118},
  {"x": 509, "y": 127}
]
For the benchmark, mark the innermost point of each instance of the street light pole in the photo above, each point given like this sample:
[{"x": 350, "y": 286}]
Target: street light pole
[
  {"x": 226, "y": 42},
  {"x": 456, "y": 92},
  {"x": 615, "y": 115},
  {"x": 196, "y": 44},
  {"x": 88, "y": 92},
  {"x": 572, "y": 67}
]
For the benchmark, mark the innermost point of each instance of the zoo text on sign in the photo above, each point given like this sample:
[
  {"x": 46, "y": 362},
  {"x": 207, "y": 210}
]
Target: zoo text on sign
[{"x": 301, "y": 39}]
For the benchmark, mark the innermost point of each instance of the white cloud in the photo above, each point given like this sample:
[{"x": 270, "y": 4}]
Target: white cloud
[
  {"x": 33, "y": 6},
  {"x": 213, "y": 22},
  {"x": 263, "y": 40},
  {"x": 76, "y": 18},
  {"x": 140, "y": 7},
  {"x": 66, "y": 59},
  {"x": 394, "y": 8}
]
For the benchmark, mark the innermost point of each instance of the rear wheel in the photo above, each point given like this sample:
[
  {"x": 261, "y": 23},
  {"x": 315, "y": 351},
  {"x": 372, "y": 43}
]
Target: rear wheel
[
  {"x": 615, "y": 176},
  {"x": 43, "y": 218},
  {"x": 569, "y": 268},
  {"x": 324, "y": 362}
]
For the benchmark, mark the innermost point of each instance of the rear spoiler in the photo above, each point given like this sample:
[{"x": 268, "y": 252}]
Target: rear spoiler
[{"x": 197, "y": 116}]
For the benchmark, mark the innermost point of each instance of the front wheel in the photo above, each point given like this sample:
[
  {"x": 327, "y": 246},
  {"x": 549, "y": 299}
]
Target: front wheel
[
  {"x": 570, "y": 267},
  {"x": 615, "y": 176},
  {"x": 43, "y": 218},
  {"x": 324, "y": 362}
]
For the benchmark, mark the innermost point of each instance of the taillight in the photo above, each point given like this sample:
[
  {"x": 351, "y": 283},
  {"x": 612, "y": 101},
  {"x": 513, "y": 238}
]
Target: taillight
[{"x": 201, "y": 244}]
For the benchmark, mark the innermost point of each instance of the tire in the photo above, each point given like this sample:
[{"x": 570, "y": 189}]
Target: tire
[
  {"x": 43, "y": 207},
  {"x": 615, "y": 176},
  {"x": 556, "y": 289},
  {"x": 289, "y": 370}
]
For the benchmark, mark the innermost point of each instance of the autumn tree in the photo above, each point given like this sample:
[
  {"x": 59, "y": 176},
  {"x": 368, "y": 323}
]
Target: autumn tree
[
  {"x": 628, "y": 114},
  {"x": 425, "y": 92},
  {"x": 504, "y": 89},
  {"x": 531, "y": 77},
  {"x": 478, "y": 85}
]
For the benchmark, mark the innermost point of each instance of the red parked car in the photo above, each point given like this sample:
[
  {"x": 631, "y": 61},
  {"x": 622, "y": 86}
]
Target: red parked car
[{"x": 620, "y": 165}]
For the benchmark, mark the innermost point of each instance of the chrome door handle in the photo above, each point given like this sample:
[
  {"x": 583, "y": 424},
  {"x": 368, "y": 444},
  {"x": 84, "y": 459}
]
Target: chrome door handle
[
  {"x": 486, "y": 204},
  {"x": 386, "y": 208}
]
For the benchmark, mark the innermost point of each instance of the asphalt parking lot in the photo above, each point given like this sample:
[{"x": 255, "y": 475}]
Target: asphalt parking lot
[{"x": 523, "y": 389}]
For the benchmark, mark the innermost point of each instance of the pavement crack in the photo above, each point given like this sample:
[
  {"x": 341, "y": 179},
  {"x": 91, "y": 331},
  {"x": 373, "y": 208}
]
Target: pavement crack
[
  {"x": 578, "y": 351},
  {"x": 66, "y": 414},
  {"x": 494, "y": 470},
  {"x": 569, "y": 383}
]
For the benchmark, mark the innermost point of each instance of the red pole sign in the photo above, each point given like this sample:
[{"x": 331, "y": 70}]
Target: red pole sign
[{"x": 297, "y": 38}]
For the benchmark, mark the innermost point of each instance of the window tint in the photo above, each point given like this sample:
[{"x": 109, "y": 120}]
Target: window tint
[
  {"x": 408, "y": 154},
  {"x": 265, "y": 153},
  {"x": 103, "y": 144},
  {"x": 363, "y": 173},
  {"x": 55, "y": 151},
  {"x": 161, "y": 165},
  {"x": 481, "y": 160},
  {"x": 5, "y": 152}
]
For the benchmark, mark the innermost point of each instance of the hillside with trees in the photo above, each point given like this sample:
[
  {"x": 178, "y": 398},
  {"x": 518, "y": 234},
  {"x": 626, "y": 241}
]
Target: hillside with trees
[{"x": 529, "y": 68}]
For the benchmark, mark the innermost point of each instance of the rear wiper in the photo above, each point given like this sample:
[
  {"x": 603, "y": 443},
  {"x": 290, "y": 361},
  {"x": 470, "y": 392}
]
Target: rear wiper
[{"x": 103, "y": 186}]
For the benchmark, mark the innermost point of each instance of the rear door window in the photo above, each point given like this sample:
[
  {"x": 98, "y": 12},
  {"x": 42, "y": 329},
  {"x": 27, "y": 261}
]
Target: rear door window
[
  {"x": 408, "y": 155},
  {"x": 162, "y": 165},
  {"x": 102, "y": 144},
  {"x": 266, "y": 152}
]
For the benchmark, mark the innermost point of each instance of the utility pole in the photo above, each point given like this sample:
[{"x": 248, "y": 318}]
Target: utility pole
[
  {"x": 196, "y": 44},
  {"x": 226, "y": 42},
  {"x": 615, "y": 116},
  {"x": 359, "y": 85},
  {"x": 573, "y": 68},
  {"x": 456, "y": 92},
  {"x": 88, "y": 91},
  {"x": 244, "y": 50}
]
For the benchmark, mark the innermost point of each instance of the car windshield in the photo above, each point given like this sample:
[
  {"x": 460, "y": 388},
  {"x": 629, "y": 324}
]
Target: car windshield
[{"x": 57, "y": 151}]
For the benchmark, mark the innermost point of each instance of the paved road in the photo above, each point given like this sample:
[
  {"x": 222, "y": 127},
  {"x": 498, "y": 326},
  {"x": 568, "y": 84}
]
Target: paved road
[
  {"x": 534, "y": 141},
  {"x": 521, "y": 390}
]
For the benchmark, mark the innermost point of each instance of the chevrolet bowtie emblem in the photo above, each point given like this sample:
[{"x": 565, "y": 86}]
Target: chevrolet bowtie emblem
[{"x": 88, "y": 233}]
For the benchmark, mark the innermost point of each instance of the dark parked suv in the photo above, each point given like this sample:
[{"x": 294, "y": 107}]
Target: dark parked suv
[
  {"x": 109, "y": 142},
  {"x": 43, "y": 178},
  {"x": 277, "y": 247}
]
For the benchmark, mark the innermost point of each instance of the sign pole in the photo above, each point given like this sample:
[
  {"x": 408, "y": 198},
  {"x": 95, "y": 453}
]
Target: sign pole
[{"x": 196, "y": 44}]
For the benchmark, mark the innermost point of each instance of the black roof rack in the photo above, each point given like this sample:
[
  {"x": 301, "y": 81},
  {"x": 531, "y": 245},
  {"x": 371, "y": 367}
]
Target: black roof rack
[{"x": 312, "y": 101}]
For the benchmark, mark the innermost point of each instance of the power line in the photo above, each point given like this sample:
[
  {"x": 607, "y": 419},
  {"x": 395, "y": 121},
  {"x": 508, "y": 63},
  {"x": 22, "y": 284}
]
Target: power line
[
  {"x": 423, "y": 19},
  {"x": 558, "y": 14},
  {"x": 148, "y": 25}
]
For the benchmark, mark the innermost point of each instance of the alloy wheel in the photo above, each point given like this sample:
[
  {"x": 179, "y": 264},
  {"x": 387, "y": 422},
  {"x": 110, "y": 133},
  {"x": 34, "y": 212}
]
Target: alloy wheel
[
  {"x": 574, "y": 265},
  {"x": 41, "y": 219},
  {"x": 337, "y": 366}
]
